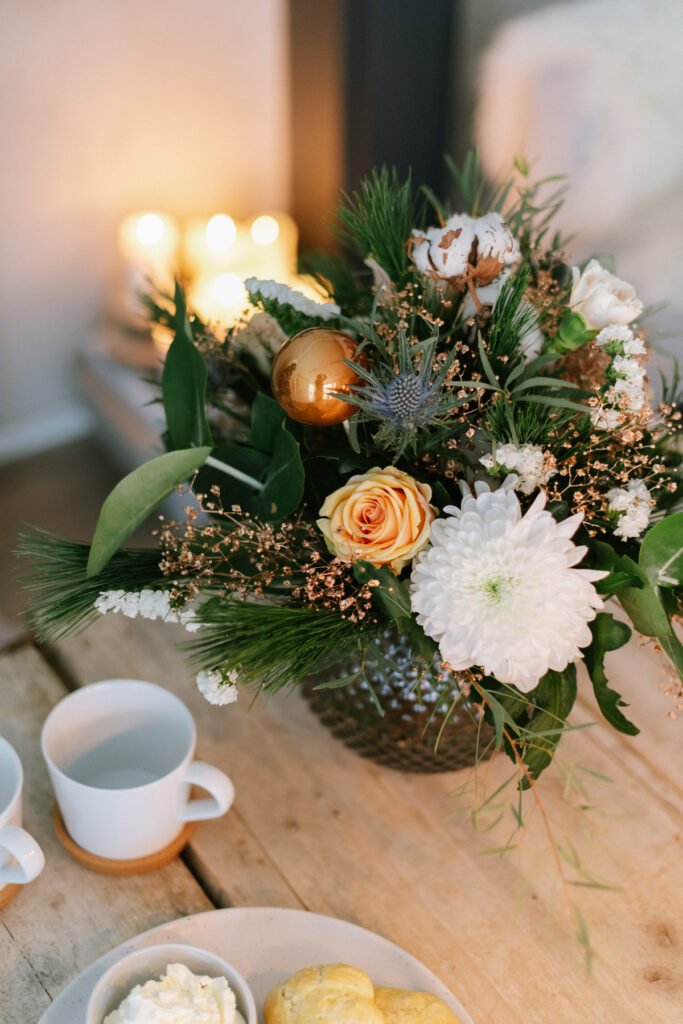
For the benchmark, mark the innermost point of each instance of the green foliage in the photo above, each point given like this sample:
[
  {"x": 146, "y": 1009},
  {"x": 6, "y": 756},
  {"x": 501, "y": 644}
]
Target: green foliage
[
  {"x": 608, "y": 635},
  {"x": 184, "y": 385},
  {"x": 62, "y": 597},
  {"x": 511, "y": 319},
  {"x": 272, "y": 458},
  {"x": 661, "y": 552},
  {"x": 475, "y": 194},
  {"x": 135, "y": 497},
  {"x": 391, "y": 597},
  {"x": 272, "y": 646},
  {"x": 644, "y": 607},
  {"x": 377, "y": 221},
  {"x": 529, "y": 726}
]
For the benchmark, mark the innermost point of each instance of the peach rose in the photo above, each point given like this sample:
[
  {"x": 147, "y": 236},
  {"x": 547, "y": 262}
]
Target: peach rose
[{"x": 382, "y": 516}]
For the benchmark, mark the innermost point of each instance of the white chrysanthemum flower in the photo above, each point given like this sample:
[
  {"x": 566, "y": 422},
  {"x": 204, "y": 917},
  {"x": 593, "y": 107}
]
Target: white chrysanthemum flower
[
  {"x": 532, "y": 466},
  {"x": 633, "y": 505},
  {"x": 149, "y": 604},
  {"x": 500, "y": 590},
  {"x": 287, "y": 296},
  {"x": 217, "y": 687}
]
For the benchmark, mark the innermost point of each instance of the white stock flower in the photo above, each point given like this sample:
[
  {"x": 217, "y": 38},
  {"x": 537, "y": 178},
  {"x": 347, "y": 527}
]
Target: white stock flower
[
  {"x": 465, "y": 248},
  {"x": 532, "y": 466},
  {"x": 149, "y": 604},
  {"x": 286, "y": 296},
  {"x": 624, "y": 337},
  {"x": 500, "y": 590},
  {"x": 633, "y": 506},
  {"x": 217, "y": 687},
  {"x": 601, "y": 298}
]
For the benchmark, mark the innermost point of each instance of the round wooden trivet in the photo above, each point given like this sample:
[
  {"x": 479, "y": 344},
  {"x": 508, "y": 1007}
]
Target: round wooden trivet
[
  {"x": 8, "y": 893},
  {"x": 122, "y": 868}
]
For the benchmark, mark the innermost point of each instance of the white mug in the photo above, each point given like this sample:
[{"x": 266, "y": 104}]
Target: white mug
[
  {"x": 21, "y": 859},
  {"x": 120, "y": 755}
]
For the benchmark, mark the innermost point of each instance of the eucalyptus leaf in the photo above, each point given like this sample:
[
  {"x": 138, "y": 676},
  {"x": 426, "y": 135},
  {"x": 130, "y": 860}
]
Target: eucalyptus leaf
[
  {"x": 135, "y": 497},
  {"x": 661, "y": 553},
  {"x": 183, "y": 385},
  {"x": 644, "y": 607}
]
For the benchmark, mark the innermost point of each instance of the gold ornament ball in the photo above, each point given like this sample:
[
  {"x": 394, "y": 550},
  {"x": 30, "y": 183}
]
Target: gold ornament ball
[{"x": 309, "y": 370}]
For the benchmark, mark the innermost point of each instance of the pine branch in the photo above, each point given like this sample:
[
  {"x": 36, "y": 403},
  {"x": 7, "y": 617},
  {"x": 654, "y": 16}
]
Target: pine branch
[
  {"x": 273, "y": 646},
  {"x": 377, "y": 221},
  {"x": 62, "y": 597}
]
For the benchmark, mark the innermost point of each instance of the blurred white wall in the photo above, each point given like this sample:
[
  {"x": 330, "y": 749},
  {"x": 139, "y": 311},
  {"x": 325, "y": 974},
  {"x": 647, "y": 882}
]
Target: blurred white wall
[
  {"x": 592, "y": 88},
  {"x": 108, "y": 107}
]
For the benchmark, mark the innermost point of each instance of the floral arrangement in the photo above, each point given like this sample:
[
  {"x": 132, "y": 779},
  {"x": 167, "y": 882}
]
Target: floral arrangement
[{"x": 457, "y": 442}]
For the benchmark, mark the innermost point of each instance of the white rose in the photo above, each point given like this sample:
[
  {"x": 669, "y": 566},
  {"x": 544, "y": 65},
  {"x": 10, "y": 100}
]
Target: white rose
[{"x": 603, "y": 299}]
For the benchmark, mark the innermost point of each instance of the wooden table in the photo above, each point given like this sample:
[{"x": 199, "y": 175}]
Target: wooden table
[{"x": 315, "y": 826}]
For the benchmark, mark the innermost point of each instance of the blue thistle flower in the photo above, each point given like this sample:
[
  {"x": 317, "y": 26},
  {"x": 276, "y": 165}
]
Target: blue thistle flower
[{"x": 404, "y": 399}]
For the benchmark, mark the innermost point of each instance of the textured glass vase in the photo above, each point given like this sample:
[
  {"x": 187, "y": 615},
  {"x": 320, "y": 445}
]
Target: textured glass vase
[{"x": 420, "y": 731}]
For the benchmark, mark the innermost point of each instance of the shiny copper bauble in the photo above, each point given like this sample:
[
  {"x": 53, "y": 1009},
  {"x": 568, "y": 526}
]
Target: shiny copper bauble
[{"x": 309, "y": 370}]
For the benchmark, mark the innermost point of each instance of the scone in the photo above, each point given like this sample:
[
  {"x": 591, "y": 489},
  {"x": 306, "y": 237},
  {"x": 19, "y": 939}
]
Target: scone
[
  {"x": 330, "y": 994},
  {"x": 401, "y": 1006}
]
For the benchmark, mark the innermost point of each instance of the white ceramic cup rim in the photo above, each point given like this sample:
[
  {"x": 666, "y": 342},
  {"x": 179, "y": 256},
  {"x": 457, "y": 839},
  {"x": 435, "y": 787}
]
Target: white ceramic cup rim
[
  {"x": 16, "y": 761},
  {"x": 60, "y": 710}
]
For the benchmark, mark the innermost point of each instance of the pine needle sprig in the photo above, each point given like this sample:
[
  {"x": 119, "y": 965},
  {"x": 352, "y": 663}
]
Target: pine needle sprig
[
  {"x": 377, "y": 221},
  {"x": 62, "y": 598},
  {"x": 511, "y": 319},
  {"x": 273, "y": 646}
]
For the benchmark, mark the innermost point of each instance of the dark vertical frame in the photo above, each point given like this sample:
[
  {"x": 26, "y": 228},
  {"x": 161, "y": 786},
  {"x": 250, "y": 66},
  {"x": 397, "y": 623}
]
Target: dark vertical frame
[{"x": 372, "y": 83}]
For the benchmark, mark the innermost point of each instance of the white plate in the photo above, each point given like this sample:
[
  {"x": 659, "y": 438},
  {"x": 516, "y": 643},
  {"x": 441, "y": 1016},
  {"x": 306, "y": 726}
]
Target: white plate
[{"x": 267, "y": 945}]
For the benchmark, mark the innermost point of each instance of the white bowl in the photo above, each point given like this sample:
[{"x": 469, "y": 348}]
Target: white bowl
[{"x": 151, "y": 962}]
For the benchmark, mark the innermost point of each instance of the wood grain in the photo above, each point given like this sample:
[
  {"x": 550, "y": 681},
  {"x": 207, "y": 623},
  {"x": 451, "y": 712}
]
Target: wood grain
[
  {"x": 69, "y": 916},
  {"x": 324, "y": 829}
]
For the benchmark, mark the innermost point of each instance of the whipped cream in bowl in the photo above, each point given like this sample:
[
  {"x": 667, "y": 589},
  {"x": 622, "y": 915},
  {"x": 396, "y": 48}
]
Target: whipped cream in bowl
[{"x": 171, "y": 984}]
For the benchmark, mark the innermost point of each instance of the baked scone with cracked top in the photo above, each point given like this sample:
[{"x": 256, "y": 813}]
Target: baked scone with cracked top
[
  {"x": 403, "y": 1006},
  {"x": 329, "y": 994}
]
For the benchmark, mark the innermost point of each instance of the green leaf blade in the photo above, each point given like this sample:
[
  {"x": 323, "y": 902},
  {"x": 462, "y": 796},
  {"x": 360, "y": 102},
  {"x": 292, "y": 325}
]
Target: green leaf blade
[
  {"x": 609, "y": 634},
  {"x": 135, "y": 497},
  {"x": 183, "y": 385}
]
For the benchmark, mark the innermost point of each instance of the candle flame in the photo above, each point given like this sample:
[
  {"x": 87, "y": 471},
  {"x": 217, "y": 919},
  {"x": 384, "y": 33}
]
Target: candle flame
[
  {"x": 221, "y": 232},
  {"x": 265, "y": 229}
]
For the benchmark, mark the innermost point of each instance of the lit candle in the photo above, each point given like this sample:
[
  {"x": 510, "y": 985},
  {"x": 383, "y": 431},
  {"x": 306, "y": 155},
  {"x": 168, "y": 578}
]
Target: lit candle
[
  {"x": 219, "y": 299},
  {"x": 211, "y": 244},
  {"x": 148, "y": 243},
  {"x": 274, "y": 253}
]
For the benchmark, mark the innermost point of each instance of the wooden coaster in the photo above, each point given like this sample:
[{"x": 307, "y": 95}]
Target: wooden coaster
[
  {"x": 122, "y": 868},
  {"x": 8, "y": 893}
]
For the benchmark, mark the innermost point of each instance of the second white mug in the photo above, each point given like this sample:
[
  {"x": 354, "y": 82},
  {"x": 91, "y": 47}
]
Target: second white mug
[
  {"x": 120, "y": 756},
  {"x": 21, "y": 859}
]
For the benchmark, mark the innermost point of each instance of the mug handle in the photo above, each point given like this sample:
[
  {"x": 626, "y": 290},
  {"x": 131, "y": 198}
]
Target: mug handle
[
  {"x": 30, "y": 859},
  {"x": 216, "y": 783}
]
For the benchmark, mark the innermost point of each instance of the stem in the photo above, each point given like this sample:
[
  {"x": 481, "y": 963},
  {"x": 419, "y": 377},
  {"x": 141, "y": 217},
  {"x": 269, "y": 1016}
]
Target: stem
[{"x": 236, "y": 473}]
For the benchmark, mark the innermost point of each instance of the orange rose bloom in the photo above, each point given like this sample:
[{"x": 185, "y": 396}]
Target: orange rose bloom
[{"x": 382, "y": 516}]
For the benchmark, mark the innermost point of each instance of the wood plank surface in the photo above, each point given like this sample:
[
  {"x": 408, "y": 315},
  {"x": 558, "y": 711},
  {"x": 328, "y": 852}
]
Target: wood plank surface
[
  {"x": 68, "y": 917},
  {"x": 317, "y": 826}
]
